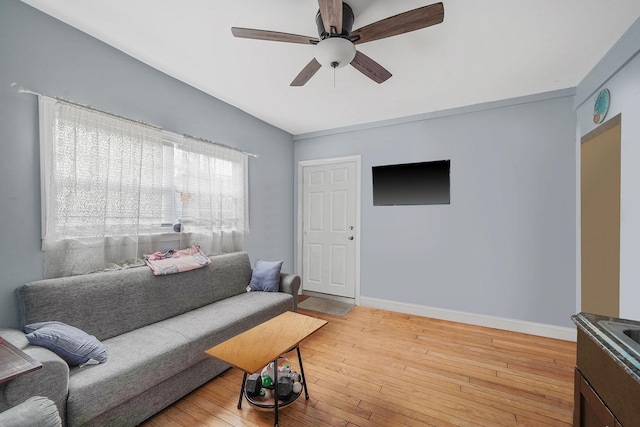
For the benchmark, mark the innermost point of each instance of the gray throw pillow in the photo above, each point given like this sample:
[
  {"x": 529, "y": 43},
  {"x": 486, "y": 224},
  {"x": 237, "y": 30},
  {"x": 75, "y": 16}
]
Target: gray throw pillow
[
  {"x": 73, "y": 345},
  {"x": 266, "y": 276}
]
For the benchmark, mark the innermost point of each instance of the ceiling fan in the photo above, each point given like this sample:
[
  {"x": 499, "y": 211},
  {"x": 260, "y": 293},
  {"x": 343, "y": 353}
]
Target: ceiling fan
[{"x": 335, "y": 46}]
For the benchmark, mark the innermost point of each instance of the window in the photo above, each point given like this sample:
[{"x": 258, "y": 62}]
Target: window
[
  {"x": 190, "y": 198},
  {"x": 113, "y": 189},
  {"x": 210, "y": 187}
]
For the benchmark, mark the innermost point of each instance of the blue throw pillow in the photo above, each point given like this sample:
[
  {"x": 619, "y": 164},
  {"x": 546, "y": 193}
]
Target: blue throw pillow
[
  {"x": 73, "y": 345},
  {"x": 266, "y": 276}
]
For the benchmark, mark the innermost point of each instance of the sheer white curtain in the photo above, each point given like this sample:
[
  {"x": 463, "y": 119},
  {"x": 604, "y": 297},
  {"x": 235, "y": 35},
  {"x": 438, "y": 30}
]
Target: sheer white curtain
[
  {"x": 102, "y": 182},
  {"x": 212, "y": 184},
  {"x": 113, "y": 188}
]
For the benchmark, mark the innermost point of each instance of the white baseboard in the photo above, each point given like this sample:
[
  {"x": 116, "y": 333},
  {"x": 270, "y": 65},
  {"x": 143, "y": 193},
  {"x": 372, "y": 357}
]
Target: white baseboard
[{"x": 533, "y": 328}]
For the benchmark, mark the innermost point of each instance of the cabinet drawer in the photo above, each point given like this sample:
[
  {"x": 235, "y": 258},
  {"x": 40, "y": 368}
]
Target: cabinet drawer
[{"x": 590, "y": 410}]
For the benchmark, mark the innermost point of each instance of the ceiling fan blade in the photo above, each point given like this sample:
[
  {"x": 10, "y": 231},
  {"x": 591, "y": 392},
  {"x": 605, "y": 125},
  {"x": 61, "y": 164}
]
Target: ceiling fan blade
[
  {"x": 399, "y": 24},
  {"x": 331, "y": 12},
  {"x": 248, "y": 33},
  {"x": 307, "y": 72},
  {"x": 370, "y": 68}
]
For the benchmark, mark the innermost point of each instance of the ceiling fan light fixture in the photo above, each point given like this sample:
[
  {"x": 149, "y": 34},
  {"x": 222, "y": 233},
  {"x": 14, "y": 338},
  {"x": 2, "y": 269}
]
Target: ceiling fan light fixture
[{"x": 335, "y": 52}]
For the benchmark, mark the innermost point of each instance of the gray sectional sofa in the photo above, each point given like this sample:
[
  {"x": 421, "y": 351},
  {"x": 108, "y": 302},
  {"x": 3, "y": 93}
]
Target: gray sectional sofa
[{"x": 155, "y": 330}]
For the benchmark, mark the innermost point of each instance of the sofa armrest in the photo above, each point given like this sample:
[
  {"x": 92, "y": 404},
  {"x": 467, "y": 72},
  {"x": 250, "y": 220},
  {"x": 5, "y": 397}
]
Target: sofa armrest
[
  {"x": 35, "y": 411},
  {"x": 51, "y": 381},
  {"x": 290, "y": 283}
]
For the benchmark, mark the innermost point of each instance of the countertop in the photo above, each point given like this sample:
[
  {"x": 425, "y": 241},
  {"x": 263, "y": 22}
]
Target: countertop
[{"x": 589, "y": 324}]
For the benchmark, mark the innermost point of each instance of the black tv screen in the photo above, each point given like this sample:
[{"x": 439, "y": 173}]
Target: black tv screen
[{"x": 425, "y": 183}]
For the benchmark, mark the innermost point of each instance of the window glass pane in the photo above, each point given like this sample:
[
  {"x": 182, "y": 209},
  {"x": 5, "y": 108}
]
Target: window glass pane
[{"x": 211, "y": 188}]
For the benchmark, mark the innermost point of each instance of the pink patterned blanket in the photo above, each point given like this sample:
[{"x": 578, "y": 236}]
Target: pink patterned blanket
[{"x": 176, "y": 261}]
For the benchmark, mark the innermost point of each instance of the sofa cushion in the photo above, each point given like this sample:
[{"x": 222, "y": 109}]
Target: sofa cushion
[
  {"x": 73, "y": 345},
  {"x": 266, "y": 276},
  {"x": 210, "y": 325},
  {"x": 138, "y": 360}
]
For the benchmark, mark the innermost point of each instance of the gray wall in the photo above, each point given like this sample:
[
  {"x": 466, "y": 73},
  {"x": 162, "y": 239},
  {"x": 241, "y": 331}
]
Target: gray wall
[
  {"x": 619, "y": 71},
  {"x": 47, "y": 56},
  {"x": 505, "y": 246}
]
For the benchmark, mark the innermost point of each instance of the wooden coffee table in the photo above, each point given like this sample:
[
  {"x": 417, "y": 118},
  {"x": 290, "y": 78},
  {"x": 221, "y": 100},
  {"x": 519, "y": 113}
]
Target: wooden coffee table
[{"x": 254, "y": 349}]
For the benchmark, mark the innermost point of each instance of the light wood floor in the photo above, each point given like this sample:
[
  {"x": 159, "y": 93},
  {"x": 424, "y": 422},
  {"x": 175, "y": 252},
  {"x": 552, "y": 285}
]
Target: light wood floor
[{"x": 380, "y": 368}]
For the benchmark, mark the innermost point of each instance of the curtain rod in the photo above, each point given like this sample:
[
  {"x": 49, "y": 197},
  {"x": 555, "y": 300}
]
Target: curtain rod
[
  {"x": 220, "y": 144},
  {"x": 21, "y": 89}
]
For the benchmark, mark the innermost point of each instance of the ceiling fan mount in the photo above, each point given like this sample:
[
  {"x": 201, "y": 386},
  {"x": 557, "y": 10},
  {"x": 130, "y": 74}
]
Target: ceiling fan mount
[
  {"x": 336, "y": 45},
  {"x": 347, "y": 24}
]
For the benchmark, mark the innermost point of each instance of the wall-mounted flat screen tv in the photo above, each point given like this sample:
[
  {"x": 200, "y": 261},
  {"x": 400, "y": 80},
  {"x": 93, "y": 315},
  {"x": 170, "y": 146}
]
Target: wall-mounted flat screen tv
[{"x": 425, "y": 183}]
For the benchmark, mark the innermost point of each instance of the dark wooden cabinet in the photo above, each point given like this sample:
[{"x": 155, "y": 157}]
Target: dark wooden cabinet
[
  {"x": 589, "y": 409},
  {"x": 607, "y": 378}
]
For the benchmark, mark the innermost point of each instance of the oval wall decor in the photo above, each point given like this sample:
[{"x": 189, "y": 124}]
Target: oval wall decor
[{"x": 601, "y": 106}]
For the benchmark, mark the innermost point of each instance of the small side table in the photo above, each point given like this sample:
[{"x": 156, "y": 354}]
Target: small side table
[{"x": 14, "y": 362}]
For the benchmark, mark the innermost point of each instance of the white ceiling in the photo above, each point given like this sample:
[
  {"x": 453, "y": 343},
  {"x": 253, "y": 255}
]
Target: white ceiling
[{"x": 483, "y": 51}]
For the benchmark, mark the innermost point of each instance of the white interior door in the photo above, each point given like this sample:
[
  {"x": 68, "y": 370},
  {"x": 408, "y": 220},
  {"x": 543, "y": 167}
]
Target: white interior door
[{"x": 329, "y": 235}]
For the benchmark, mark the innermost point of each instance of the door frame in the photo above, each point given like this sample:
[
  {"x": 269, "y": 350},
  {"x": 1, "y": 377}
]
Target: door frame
[
  {"x": 612, "y": 308},
  {"x": 300, "y": 214}
]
